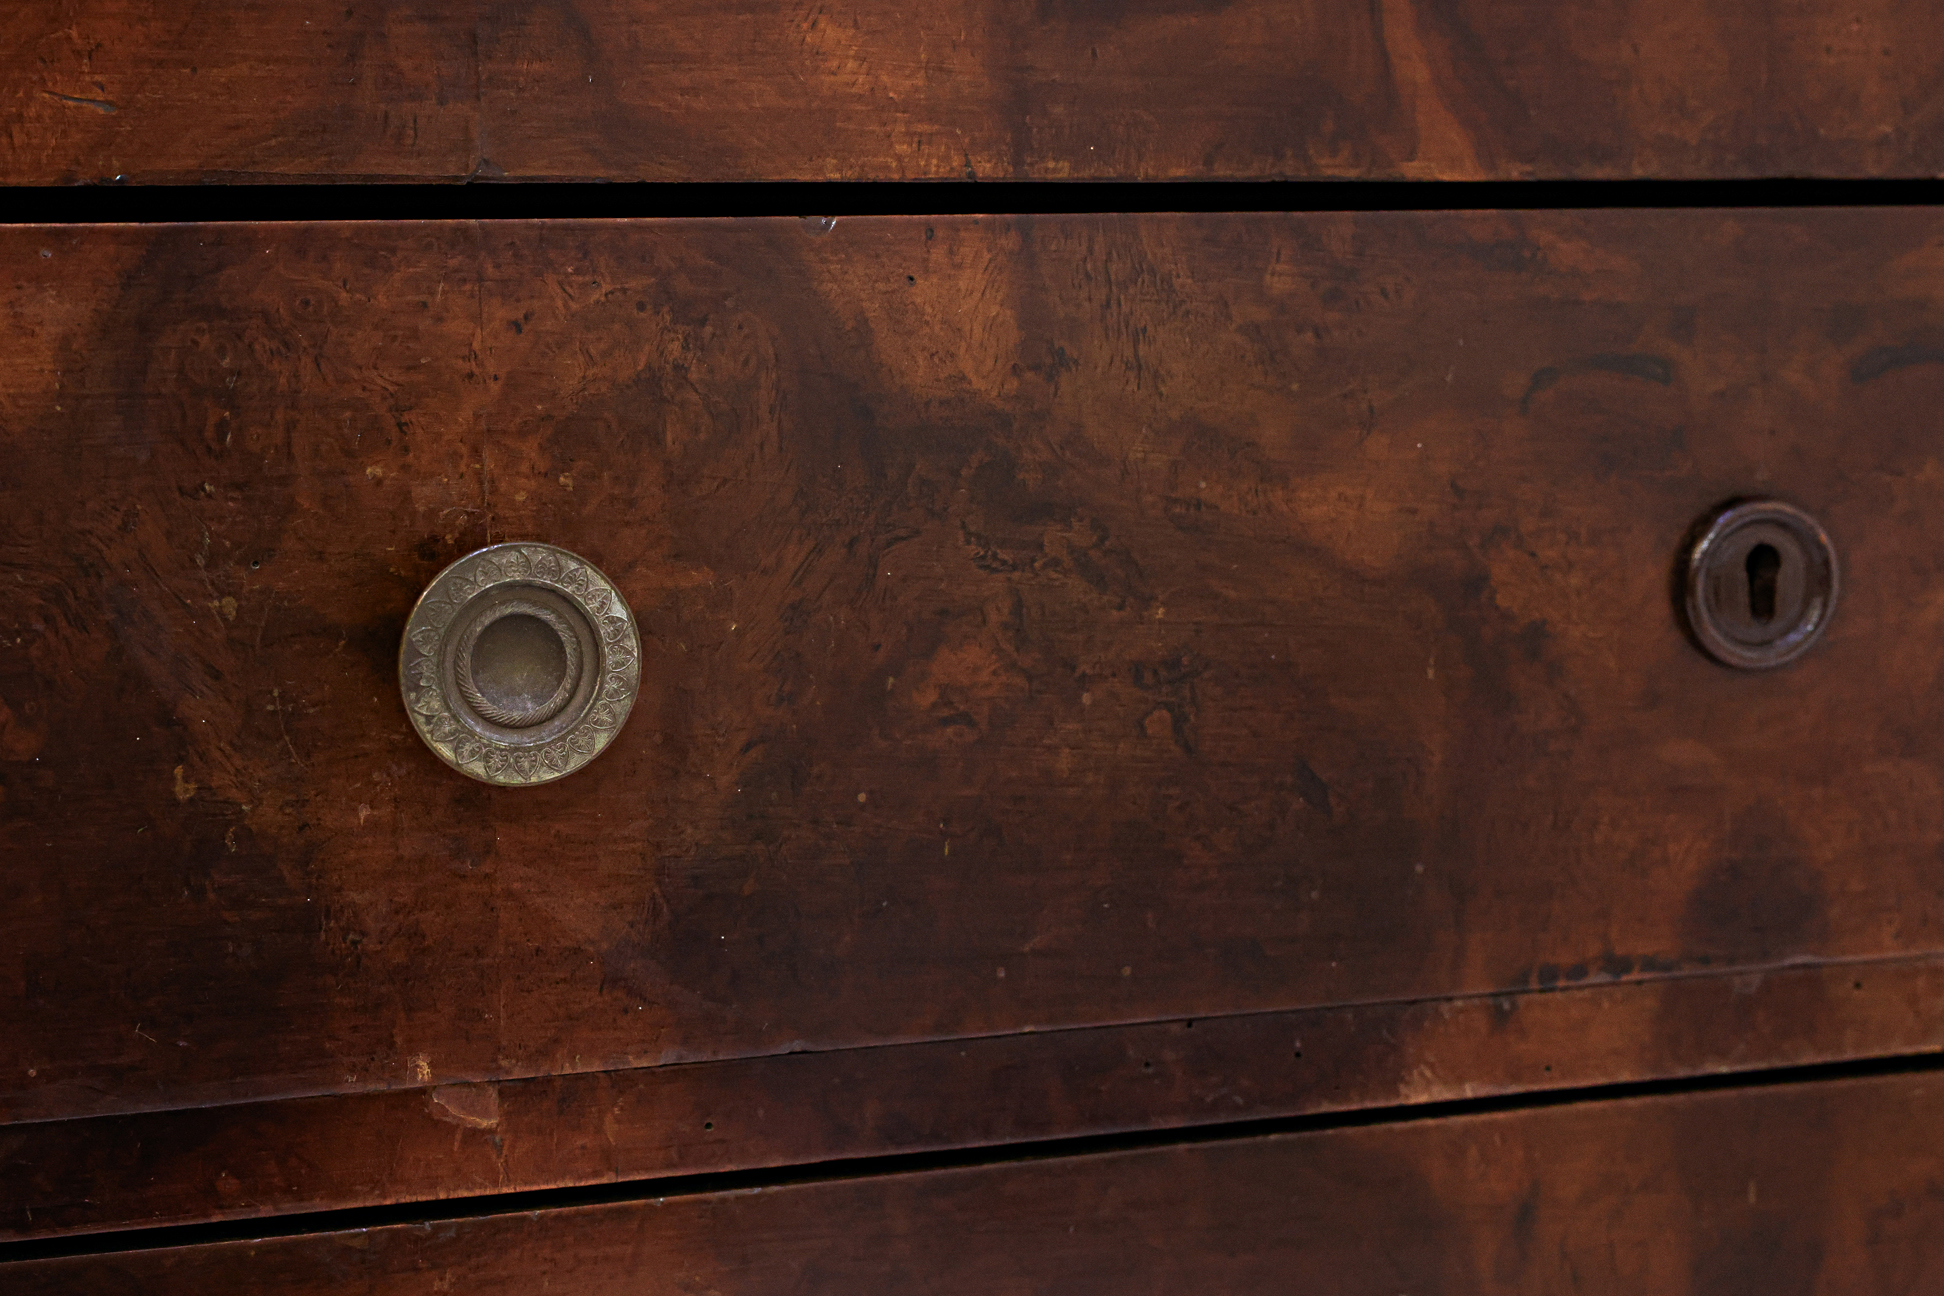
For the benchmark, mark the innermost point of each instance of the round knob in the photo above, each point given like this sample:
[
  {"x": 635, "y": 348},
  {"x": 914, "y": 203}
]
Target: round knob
[
  {"x": 1761, "y": 583},
  {"x": 519, "y": 664}
]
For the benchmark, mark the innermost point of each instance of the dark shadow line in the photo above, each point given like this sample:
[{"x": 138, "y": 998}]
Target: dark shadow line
[
  {"x": 1879, "y": 361},
  {"x": 369, "y": 198},
  {"x": 1652, "y": 368},
  {"x": 904, "y": 1163}
]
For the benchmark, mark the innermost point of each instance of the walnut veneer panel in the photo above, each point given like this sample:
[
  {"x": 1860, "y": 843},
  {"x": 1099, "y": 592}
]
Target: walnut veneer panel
[
  {"x": 987, "y": 89},
  {"x": 1046, "y": 623}
]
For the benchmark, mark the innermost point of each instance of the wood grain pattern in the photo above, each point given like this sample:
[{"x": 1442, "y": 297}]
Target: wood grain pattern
[
  {"x": 1798, "y": 1190},
  {"x": 985, "y": 89},
  {"x": 1046, "y": 623},
  {"x": 189, "y": 92},
  {"x": 275, "y": 1158}
]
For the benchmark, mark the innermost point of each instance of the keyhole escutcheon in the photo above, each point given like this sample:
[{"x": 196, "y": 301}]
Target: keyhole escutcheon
[{"x": 1760, "y": 583}]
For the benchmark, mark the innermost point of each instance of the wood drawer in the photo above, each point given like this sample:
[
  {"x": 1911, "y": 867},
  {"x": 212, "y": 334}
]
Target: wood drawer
[
  {"x": 687, "y": 90},
  {"x": 1060, "y": 634},
  {"x": 1825, "y": 1188}
]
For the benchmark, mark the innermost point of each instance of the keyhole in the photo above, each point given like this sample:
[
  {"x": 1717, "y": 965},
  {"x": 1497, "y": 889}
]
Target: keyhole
[{"x": 1763, "y": 563}]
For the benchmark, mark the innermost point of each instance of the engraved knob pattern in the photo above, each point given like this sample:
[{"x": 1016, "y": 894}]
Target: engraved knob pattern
[{"x": 512, "y": 741}]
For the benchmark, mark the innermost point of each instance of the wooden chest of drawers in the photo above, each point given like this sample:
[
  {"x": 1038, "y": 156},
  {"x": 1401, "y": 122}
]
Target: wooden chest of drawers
[{"x": 1167, "y": 752}]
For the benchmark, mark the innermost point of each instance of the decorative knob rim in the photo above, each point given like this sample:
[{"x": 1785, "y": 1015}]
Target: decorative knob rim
[{"x": 510, "y": 742}]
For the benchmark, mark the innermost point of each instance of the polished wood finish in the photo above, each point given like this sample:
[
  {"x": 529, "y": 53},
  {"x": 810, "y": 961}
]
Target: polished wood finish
[
  {"x": 95, "y": 90},
  {"x": 274, "y": 1158},
  {"x": 1047, "y": 623},
  {"x": 1828, "y": 1188}
]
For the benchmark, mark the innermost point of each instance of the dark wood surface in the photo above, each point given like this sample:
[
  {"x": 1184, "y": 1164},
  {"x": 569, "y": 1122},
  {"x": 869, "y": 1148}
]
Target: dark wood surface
[
  {"x": 1786, "y": 1191},
  {"x": 92, "y": 90},
  {"x": 303, "y": 1154},
  {"x": 1047, "y": 623}
]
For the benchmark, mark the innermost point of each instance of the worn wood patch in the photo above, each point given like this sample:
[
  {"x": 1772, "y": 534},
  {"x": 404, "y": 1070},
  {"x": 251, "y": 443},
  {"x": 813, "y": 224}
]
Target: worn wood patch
[
  {"x": 1046, "y": 623},
  {"x": 1799, "y": 1189},
  {"x": 969, "y": 89}
]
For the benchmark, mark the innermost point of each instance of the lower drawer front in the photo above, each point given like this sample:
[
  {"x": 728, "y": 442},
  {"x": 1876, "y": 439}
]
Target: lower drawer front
[{"x": 1827, "y": 1187}]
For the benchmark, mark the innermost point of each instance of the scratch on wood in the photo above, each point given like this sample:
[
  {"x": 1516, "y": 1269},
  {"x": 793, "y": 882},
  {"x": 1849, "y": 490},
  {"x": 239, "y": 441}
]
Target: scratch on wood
[
  {"x": 276, "y": 704},
  {"x": 99, "y": 105},
  {"x": 473, "y": 1105}
]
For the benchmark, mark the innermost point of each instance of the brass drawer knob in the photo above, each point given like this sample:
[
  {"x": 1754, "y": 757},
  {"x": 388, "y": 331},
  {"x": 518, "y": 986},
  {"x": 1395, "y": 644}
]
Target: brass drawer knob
[
  {"x": 520, "y": 663},
  {"x": 1761, "y": 583}
]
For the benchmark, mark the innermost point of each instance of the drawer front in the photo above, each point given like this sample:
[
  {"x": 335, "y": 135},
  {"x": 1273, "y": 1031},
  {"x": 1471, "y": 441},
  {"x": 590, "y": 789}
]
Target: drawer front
[
  {"x": 831, "y": 1110},
  {"x": 1045, "y": 623},
  {"x": 1802, "y": 1189},
  {"x": 99, "y": 90}
]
